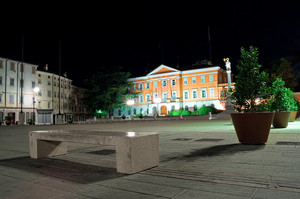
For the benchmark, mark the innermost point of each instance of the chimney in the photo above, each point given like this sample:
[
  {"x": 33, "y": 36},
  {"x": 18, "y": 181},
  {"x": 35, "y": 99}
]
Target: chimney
[{"x": 46, "y": 67}]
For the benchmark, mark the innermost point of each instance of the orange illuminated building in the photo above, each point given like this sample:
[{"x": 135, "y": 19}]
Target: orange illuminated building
[{"x": 166, "y": 89}]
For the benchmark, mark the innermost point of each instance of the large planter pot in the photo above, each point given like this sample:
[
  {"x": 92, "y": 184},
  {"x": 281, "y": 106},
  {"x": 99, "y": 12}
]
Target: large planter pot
[
  {"x": 252, "y": 128},
  {"x": 293, "y": 116},
  {"x": 281, "y": 119}
]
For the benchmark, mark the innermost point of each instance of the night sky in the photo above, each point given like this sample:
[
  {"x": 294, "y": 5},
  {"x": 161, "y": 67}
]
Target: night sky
[{"x": 141, "y": 36}]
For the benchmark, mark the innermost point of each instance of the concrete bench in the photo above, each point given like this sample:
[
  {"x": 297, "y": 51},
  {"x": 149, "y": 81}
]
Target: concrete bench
[{"x": 135, "y": 151}]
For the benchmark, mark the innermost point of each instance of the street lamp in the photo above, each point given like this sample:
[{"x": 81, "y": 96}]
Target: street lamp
[
  {"x": 130, "y": 102},
  {"x": 35, "y": 92}
]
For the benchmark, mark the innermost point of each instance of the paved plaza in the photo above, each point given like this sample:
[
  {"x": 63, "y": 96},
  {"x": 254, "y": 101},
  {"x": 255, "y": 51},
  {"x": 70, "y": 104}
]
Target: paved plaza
[{"x": 199, "y": 158}]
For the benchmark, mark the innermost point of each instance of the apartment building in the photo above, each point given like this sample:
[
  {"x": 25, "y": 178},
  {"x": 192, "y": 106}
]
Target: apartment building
[
  {"x": 54, "y": 96},
  {"x": 166, "y": 89}
]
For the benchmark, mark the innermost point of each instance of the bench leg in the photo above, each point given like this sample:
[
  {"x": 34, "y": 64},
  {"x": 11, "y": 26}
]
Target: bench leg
[
  {"x": 138, "y": 154},
  {"x": 44, "y": 148}
]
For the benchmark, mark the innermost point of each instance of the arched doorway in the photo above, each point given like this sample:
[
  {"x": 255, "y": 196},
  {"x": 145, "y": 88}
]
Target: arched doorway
[{"x": 163, "y": 110}]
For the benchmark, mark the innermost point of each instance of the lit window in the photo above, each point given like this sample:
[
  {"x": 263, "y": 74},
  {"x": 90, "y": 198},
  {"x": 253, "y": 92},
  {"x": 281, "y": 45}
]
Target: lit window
[
  {"x": 203, "y": 93},
  {"x": 12, "y": 82},
  {"x": 202, "y": 79},
  {"x": 195, "y": 94},
  {"x": 164, "y": 83},
  {"x": 141, "y": 98},
  {"x": 194, "y": 80},
  {"x": 140, "y": 86},
  {"x": 186, "y": 94},
  {"x": 173, "y": 82},
  {"x": 211, "y": 78},
  {"x": 147, "y": 85},
  {"x": 185, "y": 81}
]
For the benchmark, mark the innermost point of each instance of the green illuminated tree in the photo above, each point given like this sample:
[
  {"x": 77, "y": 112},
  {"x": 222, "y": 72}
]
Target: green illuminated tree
[{"x": 107, "y": 90}]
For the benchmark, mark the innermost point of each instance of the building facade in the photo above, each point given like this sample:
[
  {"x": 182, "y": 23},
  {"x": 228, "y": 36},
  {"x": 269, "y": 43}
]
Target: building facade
[
  {"x": 166, "y": 89},
  {"x": 54, "y": 96}
]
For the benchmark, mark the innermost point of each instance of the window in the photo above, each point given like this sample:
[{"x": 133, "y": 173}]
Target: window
[
  {"x": 147, "y": 85},
  {"x": 211, "y": 78},
  {"x": 186, "y": 108},
  {"x": 134, "y": 111},
  {"x": 49, "y": 82},
  {"x": 173, "y": 95},
  {"x": 119, "y": 112},
  {"x": 134, "y": 87},
  {"x": 54, "y": 94},
  {"x": 141, "y": 110},
  {"x": 155, "y": 95},
  {"x": 40, "y": 93},
  {"x": 33, "y": 69},
  {"x": 147, "y": 97},
  {"x": 39, "y": 81},
  {"x": 49, "y": 94},
  {"x": 164, "y": 83},
  {"x": 0, "y": 98},
  {"x": 140, "y": 86},
  {"x": 212, "y": 92},
  {"x": 155, "y": 84},
  {"x": 194, "y": 80},
  {"x": 164, "y": 96},
  {"x": 185, "y": 81},
  {"x": 11, "y": 99},
  {"x": 202, "y": 79},
  {"x": 195, "y": 94},
  {"x": 0, "y": 80},
  {"x": 32, "y": 84},
  {"x": 173, "y": 82},
  {"x": 186, "y": 94},
  {"x": 49, "y": 104},
  {"x": 12, "y": 82},
  {"x": 141, "y": 98},
  {"x": 203, "y": 93},
  {"x": 12, "y": 66}
]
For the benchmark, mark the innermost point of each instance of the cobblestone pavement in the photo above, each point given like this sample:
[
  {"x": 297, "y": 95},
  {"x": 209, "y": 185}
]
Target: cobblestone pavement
[{"x": 198, "y": 159}]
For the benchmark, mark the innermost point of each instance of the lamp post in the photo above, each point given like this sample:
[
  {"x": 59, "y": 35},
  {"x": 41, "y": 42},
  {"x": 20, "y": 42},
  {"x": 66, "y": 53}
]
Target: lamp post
[
  {"x": 130, "y": 102},
  {"x": 35, "y": 91}
]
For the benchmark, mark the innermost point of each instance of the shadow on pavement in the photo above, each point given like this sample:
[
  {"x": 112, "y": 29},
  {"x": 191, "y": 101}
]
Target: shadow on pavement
[
  {"x": 62, "y": 169},
  {"x": 223, "y": 150}
]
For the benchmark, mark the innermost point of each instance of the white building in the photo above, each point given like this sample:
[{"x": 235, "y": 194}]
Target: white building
[{"x": 53, "y": 97}]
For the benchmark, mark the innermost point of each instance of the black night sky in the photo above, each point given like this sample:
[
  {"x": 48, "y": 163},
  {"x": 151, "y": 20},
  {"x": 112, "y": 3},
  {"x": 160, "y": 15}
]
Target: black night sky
[{"x": 141, "y": 36}]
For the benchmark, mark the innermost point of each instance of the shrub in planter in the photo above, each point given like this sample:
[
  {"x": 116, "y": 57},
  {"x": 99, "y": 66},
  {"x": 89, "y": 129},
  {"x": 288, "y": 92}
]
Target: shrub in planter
[
  {"x": 141, "y": 116},
  {"x": 250, "y": 98},
  {"x": 283, "y": 102},
  {"x": 177, "y": 112},
  {"x": 7, "y": 120}
]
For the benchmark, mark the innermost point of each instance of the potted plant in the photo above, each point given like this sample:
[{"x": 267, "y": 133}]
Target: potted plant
[
  {"x": 123, "y": 117},
  {"x": 8, "y": 120},
  {"x": 250, "y": 96},
  {"x": 282, "y": 102},
  {"x": 70, "y": 120},
  {"x": 141, "y": 116}
]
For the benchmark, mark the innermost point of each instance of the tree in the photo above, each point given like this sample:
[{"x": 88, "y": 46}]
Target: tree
[
  {"x": 250, "y": 83},
  {"x": 283, "y": 71},
  {"x": 107, "y": 90}
]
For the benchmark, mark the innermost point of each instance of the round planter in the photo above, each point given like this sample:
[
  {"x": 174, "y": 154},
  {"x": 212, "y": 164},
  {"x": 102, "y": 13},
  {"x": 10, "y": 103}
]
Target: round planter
[
  {"x": 293, "y": 116},
  {"x": 281, "y": 119},
  {"x": 252, "y": 128}
]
